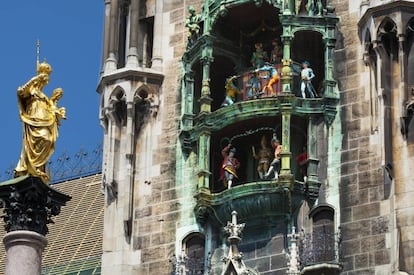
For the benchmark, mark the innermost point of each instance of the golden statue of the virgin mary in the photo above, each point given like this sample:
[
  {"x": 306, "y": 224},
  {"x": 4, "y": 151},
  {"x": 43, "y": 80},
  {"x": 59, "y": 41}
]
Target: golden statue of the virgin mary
[{"x": 41, "y": 117}]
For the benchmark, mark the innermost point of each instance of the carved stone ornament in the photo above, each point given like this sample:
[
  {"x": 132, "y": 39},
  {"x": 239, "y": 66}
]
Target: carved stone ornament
[{"x": 29, "y": 204}]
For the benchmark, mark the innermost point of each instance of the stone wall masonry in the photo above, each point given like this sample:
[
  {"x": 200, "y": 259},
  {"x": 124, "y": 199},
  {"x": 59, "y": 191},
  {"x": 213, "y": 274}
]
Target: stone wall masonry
[
  {"x": 405, "y": 217},
  {"x": 350, "y": 96},
  {"x": 265, "y": 256},
  {"x": 360, "y": 109},
  {"x": 361, "y": 260},
  {"x": 363, "y": 226},
  {"x": 172, "y": 5},
  {"x": 176, "y": 16},
  {"x": 365, "y": 211},
  {"x": 156, "y": 221}
]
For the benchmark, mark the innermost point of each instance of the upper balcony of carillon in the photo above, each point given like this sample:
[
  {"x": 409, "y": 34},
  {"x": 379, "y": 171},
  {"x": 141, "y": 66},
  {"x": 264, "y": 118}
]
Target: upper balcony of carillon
[
  {"x": 257, "y": 71},
  {"x": 253, "y": 57}
]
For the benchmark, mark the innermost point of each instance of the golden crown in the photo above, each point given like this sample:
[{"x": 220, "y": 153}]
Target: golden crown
[{"x": 44, "y": 68}]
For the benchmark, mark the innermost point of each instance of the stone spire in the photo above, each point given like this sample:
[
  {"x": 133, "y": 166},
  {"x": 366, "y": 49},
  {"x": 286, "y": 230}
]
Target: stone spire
[
  {"x": 233, "y": 263},
  {"x": 293, "y": 254}
]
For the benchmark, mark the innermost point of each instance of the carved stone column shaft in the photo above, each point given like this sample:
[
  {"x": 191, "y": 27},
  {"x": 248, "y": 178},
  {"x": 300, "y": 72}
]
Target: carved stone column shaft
[{"x": 24, "y": 252}]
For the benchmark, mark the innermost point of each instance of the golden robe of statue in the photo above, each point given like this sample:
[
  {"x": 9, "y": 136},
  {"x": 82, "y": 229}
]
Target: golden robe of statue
[{"x": 40, "y": 117}]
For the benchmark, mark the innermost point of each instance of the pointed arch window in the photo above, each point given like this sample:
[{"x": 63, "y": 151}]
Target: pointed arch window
[{"x": 194, "y": 250}]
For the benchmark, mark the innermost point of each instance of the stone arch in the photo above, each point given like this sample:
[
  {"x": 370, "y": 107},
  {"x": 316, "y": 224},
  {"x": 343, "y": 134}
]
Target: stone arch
[
  {"x": 387, "y": 35},
  {"x": 145, "y": 102},
  {"x": 143, "y": 92},
  {"x": 326, "y": 208},
  {"x": 324, "y": 231},
  {"x": 193, "y": 246},
  {"x": 187, "y": 239},
  {"x": 147, "y": 95},
  {"x": 116, "y": 95},
  {"x": 117, "y": 106}
]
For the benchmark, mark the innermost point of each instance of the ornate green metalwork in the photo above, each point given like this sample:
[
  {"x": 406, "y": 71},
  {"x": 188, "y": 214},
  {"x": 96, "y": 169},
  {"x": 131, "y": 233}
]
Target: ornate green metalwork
[
  {"x": 200, "y": 124},
  {"x": 253, "y": 201}
]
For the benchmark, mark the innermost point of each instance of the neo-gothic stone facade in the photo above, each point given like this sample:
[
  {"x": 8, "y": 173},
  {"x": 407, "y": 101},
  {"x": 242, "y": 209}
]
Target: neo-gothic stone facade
[{"x": 341, "y": 202}]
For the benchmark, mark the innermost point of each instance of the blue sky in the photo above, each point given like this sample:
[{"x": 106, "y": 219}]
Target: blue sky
[{"x": 70, "y": 34}]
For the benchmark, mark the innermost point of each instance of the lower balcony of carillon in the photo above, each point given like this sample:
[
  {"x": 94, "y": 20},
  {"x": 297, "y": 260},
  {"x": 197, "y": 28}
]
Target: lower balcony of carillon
[
  {"x": 250, "y": 168},
  {"x": 260, "y": 203}
]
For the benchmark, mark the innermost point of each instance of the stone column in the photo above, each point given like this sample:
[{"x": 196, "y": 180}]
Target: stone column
[
  {"x": 313, "y": 182},
  {"x": 286, "y": 99},
  {"x": 24, "y": 250},
  {"x": 286, "y": 154},
  {"x": 331, "y": 96},
  {"x": 188, "y": 100},
  {"x": 205, "y": 107},
  {"x": 286, "y": 73},
  {"x": 129, "y": 170},
  {"x": 204, "y": 161},
  {"x": 109, "y": 155},
  {"x": 132, "y": 58},
  {"x": 122, "y": 35},
  {"x": 110, "y": 62},
  {"x": 28, "y": 206},
  {"x": 158, "y": 36},
  {"x": 205, "y": 99},
  {"x": 330, "y": 82},
  {"x": 402, "y": 60},
  {"x": 105, "y": 50}
]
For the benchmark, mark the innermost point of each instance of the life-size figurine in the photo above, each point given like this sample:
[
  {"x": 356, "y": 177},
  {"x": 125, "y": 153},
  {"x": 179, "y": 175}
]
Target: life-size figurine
[
  {"x": 229, "y": 166},
  {"x": 253, "y": 86},
  {"x": 319, "y": 7},
  {"x": 263, "y": 156},
  {"x": 311, "y": 7},
  {"x": 192, "y": 24},
  {"x": 306, "y": 86},
  {"x": 231, "y": 92},
  {"x": 298, "y": 5},
  {"x": 302, "y": 161},
  {"x": 259, "y": 56},
  {"x": 273, "y": 78},
  {"x": 275, "y": 164},
  {"x": 277, "y": 53},
  {"x": 40, "y": 117}
]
